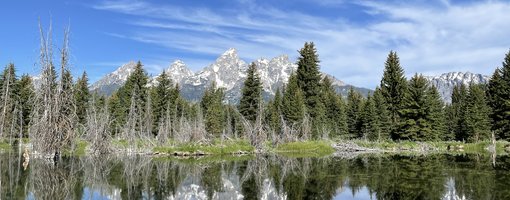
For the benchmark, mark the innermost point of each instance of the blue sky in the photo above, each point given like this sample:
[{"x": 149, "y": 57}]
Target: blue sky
[{"x": 353, "y": 38}]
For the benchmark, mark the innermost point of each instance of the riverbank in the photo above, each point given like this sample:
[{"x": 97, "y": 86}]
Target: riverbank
[{"x": 314, "y": 148}]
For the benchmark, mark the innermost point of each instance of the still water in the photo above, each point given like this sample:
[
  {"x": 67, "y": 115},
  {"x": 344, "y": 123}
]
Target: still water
[{"x": 470, "y": 176}]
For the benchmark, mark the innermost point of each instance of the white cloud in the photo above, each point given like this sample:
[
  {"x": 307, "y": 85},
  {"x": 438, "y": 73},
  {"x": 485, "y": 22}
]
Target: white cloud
[{"x": 428, "y": 39}]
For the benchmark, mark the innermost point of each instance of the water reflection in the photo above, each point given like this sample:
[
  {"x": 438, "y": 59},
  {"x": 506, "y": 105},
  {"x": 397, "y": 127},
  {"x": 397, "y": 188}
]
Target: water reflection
[{"x": 260, "y": 177}]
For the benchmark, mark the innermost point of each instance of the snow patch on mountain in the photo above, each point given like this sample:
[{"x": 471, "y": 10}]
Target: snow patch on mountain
[
  {"x": 228, "y": 72},
  {"x": 114, "y": 80},
  {"x": 447, "y": 81}
]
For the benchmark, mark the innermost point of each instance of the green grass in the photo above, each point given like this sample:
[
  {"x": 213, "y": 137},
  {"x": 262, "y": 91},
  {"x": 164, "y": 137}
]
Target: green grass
[
  {"x": 216, "y": 148},
  {"x": 80, "y": 149},
  {"x": 305, "y": 148},
  {"x": 440, "y": 146},
  {"x": 4, "y": 145}
]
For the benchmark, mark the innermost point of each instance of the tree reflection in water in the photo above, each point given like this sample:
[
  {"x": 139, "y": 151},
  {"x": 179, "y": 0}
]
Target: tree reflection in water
[{"x": 257, "y": 177}]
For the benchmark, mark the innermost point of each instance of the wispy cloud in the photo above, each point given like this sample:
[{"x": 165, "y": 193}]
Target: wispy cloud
[{"x": 429, "y": 39}]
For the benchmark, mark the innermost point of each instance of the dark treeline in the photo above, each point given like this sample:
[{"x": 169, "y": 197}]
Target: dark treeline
[{"x": 58, "y": 110}]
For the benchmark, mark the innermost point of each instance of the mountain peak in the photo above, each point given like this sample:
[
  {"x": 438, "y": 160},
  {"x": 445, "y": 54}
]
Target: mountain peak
[
  {"x": 447, "y": 81},
  {"x": 230, "y": 52},
  {"x": 113, "y": 80}
]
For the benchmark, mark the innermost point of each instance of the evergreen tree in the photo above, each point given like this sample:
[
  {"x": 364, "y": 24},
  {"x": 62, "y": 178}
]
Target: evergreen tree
[
  {"x": 478, "y": 123},
  {"x": 26, "y": 100},
  {"x": 81, "y": 97},
  {"x": 393, "y": 88},
  {"x": 68, "y": 105},
  {"x": 309, "y": 77},
  {"x": 273, "y": 113},
  {"x": 383, "y": 118},
  {"x": 335, "y": 109},
  {"x": 117, "y": 113},
  {"x": 415, "y": 113},
  {"x": 370, "y": 127},
  {"x": 353, "y": 112},
  {"x": 9, "y": 102},
  {"x": 499, "y": 99},
  {"x": 251, "y": 95},
  {"x": 436, "y": 114},
  {"x": 135, "y": 85},
  {"x": 293, "y": 103},
  {"x": 458, "y": 112},
  {"x": 213, "y": 110},
  {"x": 162, "y": 98}
]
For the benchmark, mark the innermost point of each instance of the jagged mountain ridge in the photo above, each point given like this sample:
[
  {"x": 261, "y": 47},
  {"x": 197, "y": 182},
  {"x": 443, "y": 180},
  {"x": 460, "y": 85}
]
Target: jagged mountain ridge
[
  {"x": 447, "y": 81},
  {"x": 228, "y": 71}
]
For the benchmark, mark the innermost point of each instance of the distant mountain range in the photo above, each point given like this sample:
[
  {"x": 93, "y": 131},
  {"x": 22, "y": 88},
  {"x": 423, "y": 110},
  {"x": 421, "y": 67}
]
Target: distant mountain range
[
  {"x": 228, "y": 71},
  {"x": 447, "y": 81}
]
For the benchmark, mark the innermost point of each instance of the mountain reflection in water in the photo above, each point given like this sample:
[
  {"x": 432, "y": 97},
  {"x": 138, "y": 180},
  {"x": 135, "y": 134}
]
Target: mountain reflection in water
[{"x": 257, "y": 177}]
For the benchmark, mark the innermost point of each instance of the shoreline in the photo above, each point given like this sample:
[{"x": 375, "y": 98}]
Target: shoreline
[{"x": 314, "y": 148}]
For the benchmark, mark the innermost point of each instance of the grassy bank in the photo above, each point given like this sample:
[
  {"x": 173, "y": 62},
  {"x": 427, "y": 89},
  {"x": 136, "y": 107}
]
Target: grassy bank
[
  {"x": 439, "y": 146},
  {"x": 305, "y": 148}
]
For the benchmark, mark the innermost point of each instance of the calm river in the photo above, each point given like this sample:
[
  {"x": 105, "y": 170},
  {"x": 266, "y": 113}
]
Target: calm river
[{"x": 468, "y": 176}]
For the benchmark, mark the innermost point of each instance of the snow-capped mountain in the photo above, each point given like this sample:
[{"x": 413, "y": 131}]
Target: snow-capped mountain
[
  {"x": 447, "y": 81},
  {"x": 112, "y": 81},
  {"x": 228, "y": 71}
]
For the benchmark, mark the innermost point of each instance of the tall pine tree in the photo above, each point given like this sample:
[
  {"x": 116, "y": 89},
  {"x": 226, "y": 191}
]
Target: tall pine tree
[
  {"x": 81, "y": 97},
  {"x": 478, "y": 123},
  {"x": 213, "y": 109},
  {"x": 415, "y": 113},
  {"x": 458, "y": 127},
  {"x": 370, "y": 126},
  {"x": 251, "y": 98},
  {"x": 26, "y": 101},
  {"x": 383, "y": 118},
  {"x": 293, "y": 103},
  {"x": 161, "y": 99},
  {"x": 309, "y": 77},
  {"x": 353, "y": 112},
  {"x": 393, "y": 88},
  {"x": 499, "y": 99},
  {"x": 436, "y": 114},
  {"x": 335, "y": 109}
]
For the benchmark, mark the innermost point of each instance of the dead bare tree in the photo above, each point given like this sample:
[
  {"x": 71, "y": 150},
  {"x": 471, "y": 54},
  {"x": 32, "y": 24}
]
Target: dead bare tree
[
  {"x": 97, "y": 128},
  {"x": 54, "y": 127}
]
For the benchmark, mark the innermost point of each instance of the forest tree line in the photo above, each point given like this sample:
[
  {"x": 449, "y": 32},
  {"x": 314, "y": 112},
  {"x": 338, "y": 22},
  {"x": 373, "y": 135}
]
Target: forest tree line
[{"x": 58, "y": 110}]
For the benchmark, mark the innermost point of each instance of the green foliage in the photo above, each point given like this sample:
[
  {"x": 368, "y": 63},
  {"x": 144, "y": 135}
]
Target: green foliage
[
  {"x": 415, "y": 112},
  {"x": 26, "y": 101},
  {"x": 353, "y": 112},
  {"x": 499, "y": 99},
  {"x": 293, "y": 103},
  {"x": 9, "y": 102},
  {"x": 273, "y": 113},
  {"x": 81, "y": 97},
  {"x": 478, "y": 123},
  {"x": 336, "y": 119},
  {"x": 213, "y": 110},
  {"x": 436, "y": 115},
  {"x": 135, "y": 85},
  {"x": 164, "y": 97},
  {"x": 383, "y": 118},
  {"x": 370, "y": 126},
  {"x": 393, "y": 88},
  {"x": 457, "y": 125},
  {"x": 308, "y": 78},
  {"x": 251, "y": 95}
]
